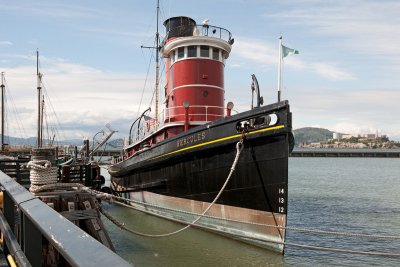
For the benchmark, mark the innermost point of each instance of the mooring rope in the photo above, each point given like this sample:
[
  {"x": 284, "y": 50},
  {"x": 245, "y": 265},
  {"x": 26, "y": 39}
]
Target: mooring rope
[
  {"x": 109, "y": 197},
  {"x": 239, "y": 147},
  {"x": 287, "y": 244},
  {"x": 41, "y": 173},
  {"x": 317, "y": 248}
]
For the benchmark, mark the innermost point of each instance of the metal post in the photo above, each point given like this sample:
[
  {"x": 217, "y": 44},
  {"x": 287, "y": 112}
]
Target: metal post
[
  {"x": 39, "y": 141},
  {"x": 280, "y": 70},
  {"x": 32, "y": 241},
  {"x": 87, "y": 149},
  {"x": 41, "y": 122},
  {"x": 157, "y": 67},
  {"x": 2, "y": 111},
  {"x": 186, "y": 126},
  {"x": 11, "y": 243},
  {"x": 88, "y": 175}
]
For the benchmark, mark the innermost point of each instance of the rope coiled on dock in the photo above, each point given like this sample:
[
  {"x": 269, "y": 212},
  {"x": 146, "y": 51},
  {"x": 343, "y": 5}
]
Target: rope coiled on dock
[{"x": 41, "y": 173}]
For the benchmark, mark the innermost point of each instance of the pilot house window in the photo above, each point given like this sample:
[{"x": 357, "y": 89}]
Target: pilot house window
[
  {"x": 196, "y": 51},
  {"x": 192, "y": 51},
  {"x": 181, "y": 52},
  {"x": 215, "y": 54},
  {"x": 204, "y": 51}
]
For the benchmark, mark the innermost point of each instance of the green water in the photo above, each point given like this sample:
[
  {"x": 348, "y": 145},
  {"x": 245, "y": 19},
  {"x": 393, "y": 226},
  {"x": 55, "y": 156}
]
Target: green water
[{"x": 342, "y": 194}]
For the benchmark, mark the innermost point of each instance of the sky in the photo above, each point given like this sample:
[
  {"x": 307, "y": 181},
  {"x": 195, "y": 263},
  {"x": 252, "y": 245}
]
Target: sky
[{"x": 346, "y": 77}]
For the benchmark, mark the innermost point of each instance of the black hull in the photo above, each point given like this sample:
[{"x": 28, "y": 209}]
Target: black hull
[{"x": 195, "y": 164}]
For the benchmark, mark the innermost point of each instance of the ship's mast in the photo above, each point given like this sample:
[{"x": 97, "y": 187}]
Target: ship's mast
[
  {"x": 39, "y": 88},
  {"x": 2, "y": 111},
  {"x": 157, "y": 66},
  {"x": 41, "y": 120}
]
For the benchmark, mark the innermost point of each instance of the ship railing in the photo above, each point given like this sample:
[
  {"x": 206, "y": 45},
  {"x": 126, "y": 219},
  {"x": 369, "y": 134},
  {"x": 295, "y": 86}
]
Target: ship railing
[
  {"x": 29, "y": 226},
  {"x": 195, "y": 113},
  {"x": 199, "y": 30},
  {"x": 198, "y": 113}
]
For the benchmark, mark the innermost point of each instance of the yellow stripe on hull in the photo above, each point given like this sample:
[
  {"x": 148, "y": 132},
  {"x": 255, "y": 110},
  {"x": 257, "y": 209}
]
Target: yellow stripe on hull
[{"x": 219, "y": 140}]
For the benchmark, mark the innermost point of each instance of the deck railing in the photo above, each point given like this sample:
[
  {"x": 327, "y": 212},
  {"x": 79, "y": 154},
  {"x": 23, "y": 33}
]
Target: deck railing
[
  {"x": 200, "y": 30},
  {"x": 197, "y": 113},
  {"x": 33, "y": 223}
]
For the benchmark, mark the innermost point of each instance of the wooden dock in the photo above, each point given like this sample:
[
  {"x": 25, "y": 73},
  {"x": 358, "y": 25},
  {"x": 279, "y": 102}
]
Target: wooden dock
[{"x": 14, "y": 169}]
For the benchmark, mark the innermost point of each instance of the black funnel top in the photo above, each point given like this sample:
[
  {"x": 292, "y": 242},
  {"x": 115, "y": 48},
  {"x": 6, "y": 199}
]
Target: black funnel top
[{"x": 179, "y": 26}]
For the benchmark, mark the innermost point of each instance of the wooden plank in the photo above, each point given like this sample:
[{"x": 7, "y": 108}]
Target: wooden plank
[
  {"x": 71, "y": 207},
  {"x": 96, "y": 226},
  {"x": 72, "y": 202}
]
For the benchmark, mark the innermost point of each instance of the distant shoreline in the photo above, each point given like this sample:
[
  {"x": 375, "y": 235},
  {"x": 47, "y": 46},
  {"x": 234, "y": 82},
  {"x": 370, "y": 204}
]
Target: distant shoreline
[{"x": 340, "y": 152}]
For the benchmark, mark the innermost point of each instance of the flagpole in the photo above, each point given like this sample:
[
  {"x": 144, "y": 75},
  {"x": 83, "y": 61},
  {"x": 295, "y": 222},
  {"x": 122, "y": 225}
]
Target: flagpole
[{"x": 280, "y": 69}]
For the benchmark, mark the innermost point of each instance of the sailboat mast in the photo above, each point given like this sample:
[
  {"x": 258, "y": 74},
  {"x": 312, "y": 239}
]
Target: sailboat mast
[
  {"x": 2, "y": 111},
  {"x": 157, "y": 66},
  {"x": 41, "y": 121},
  {"x": 39, "y": 127}
]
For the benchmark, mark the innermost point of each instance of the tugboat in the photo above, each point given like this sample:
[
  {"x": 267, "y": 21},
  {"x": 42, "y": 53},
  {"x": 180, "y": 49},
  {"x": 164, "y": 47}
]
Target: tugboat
[{"x": 176, "y": 163}]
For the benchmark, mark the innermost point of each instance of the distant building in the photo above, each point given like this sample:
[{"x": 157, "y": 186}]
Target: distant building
[
  {"x": 337, "y": 136},
  {"x": 347, "y": 136},
  {"x": 360, "y": 135},
  {"x": 370, "y": 136}
]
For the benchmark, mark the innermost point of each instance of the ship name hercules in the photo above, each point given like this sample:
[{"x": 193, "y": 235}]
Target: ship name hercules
[{"x": 191, "y": 139}]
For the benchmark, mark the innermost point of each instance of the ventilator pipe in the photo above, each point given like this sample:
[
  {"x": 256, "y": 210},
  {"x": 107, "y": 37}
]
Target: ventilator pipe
[
  {"x": 186, "y": 105},
  {"x": 229, "y": 108}
]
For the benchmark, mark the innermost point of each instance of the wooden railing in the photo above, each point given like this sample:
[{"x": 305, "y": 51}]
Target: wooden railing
[{"x": 15, "y": 169}]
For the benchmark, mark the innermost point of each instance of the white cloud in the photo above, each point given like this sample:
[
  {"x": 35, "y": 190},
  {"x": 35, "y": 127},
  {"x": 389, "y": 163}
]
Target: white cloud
[
  {"x": 265, "y": 53},
  {"x": 331, "y": 72},
  {"x": 347, "y": 111},
  {"x": 52, "y": 9},
  {"x": 5, "y": 43},
  {"x": 367, "y": 27},
  {"x": 84, "y": 98},
  {"x": 112, "y": 32},
  {"x": 256, "y": 50}
]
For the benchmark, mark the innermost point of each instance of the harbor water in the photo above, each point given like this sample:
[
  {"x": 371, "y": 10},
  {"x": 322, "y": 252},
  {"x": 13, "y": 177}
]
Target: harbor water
[{"x": 346, "y": 195}]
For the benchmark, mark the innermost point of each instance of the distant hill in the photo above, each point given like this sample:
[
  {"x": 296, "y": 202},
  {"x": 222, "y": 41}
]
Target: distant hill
[
  {"x": 302, "y": 135},
  {"x": 116, "y": 143},
  {"x": 32, "y": 141},
  {"x": 311, "y": 134}
]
